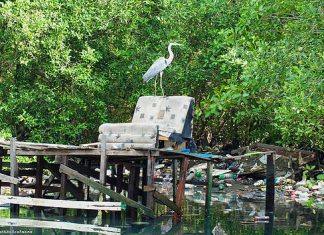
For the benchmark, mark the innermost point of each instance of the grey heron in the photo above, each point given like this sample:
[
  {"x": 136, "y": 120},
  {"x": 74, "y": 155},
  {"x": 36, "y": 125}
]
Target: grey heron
[{"x": 158, "y": 66}]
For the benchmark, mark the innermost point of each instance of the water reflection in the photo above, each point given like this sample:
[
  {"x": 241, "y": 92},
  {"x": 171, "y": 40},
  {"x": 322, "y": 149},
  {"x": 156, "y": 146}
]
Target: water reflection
[{"x": 230, "y": 213}]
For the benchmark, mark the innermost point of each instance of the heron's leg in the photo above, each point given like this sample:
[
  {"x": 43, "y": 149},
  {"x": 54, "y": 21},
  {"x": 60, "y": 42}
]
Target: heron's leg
[
  {"x": 155, "y": 81},
  {"x": 161, "y": 74}
]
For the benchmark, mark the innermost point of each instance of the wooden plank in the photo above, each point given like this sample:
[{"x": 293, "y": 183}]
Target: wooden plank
[
  {"x": 59, "y": 225},
  {"x": 30, "y": 172},
  {"x": 9, "y": 179},
  {"x": 174, "y": 154},
  {"x": 22, "y": 164},
  {"x": 107, "y": 191},
  {"x": 85, "y": 205},
  {"x": 164, "y": 200},
  {"x": 148, "y": 188},
  {"x": 85, "y": 152}
]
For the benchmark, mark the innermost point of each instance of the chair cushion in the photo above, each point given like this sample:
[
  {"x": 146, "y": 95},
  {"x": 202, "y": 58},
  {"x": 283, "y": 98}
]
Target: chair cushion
[
  {"x": 173, "y": 114},
  {"x": 129, "y": 135}
]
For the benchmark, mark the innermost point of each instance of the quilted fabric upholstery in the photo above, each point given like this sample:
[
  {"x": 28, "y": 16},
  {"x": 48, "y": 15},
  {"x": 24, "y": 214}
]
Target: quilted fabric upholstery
[
  {"x": 154, "y": 115},
  {"x": 173, "y": 114}
]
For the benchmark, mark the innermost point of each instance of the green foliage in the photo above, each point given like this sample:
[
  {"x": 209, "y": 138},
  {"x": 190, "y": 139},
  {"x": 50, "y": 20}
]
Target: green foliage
[
  {"x": 275, "y": 90},
  {"x": 307, "y": 169},
  {"x": 320, "y": 177},
  {"x": 254, "y": 67}
]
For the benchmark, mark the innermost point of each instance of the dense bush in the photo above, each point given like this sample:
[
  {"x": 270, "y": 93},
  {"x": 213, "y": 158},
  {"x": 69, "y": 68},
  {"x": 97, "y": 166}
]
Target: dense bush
[{"x": 254, "y": 67}]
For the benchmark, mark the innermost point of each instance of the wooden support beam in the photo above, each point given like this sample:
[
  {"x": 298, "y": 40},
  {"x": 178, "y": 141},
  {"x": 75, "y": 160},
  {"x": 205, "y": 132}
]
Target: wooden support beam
[
  {"x": 72, "y": 173},
  {"x": 110, "y": 180},
  {"x": 22, "y": 165},
  {"x": 30, "y": 172},
  {"x": 208, "y": 197},
  {"x": 174, "y": 178},
  {"x": 144, "y": 181},
  {"x": 87, "y": 165},
  {"x": 85, "y": 205},
  {"x": 181, "y": 187},
  {"x": 9, "y": 179},
  {"x": 13, "y": 172},
  {"x": 103, "y": 176},
  {"x": 59, "y": 225},
  {"x": 164, "y": 200},
  {"x": 133, "y": 189},
  {"x": 64, "y": 181},
  {"x": 1, "y": 164},
  {"x": 39, "y": 176},
  {"x": 119, "y": 183},
  {"x": 150, "y": 181},
  {"x": 270, "y": 187},
  {"x": 54, "y": 169},
  {"x": 85, "y": 152},
  {"x": 103, "y": 161}
]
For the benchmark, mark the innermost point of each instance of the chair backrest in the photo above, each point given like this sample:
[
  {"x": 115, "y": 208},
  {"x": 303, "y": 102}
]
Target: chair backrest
[{"x": 173, "y": 114}]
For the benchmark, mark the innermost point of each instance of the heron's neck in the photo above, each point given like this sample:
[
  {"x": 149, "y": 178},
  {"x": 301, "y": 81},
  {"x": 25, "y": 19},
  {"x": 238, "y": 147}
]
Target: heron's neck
[{"x": 171, "y": 55}]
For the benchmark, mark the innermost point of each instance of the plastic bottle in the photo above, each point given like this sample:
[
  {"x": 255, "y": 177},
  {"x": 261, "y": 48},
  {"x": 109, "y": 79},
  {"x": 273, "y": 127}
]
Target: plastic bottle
[
  {"x": 221, "y": 186},
  {"x": 227, "y": 176},
  {"x": 261, "y": 218}
]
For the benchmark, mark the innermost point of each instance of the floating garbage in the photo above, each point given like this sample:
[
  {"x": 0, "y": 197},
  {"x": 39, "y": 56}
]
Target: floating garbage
[
  {"x": 227, "y": 176},
  {"x": 261, "y": 218}
]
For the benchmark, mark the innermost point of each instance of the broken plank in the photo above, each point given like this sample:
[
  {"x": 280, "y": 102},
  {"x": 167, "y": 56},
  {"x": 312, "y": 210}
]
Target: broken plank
[
  {"x": 105, "y": 190},
  {"x": 9, "y": 179},
  {"x": 166, "y": 201},
  {"x": 59, "y": 225},
  {"x": 85, "y": 205}
]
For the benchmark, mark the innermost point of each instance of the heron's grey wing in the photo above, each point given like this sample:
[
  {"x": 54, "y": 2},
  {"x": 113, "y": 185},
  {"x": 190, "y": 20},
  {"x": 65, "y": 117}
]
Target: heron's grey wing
[{"x": 159, "y": 65}]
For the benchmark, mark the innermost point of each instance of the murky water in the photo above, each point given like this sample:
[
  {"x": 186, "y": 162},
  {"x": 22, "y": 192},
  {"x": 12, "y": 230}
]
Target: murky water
[{"x": 230, "y": 214}]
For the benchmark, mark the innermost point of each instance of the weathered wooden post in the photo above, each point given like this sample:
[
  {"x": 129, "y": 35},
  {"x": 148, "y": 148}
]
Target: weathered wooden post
[
  {"x": 209, "y": 185},
  {"x": 1, "y": 156},
  {"x": 64, "y": 161},
  {"x": 87, "y": 165},
  {"x": 103, "y": 174},
  {"x": 150, "y": 181},
  {"x": 144, "y": 181},
  {"x": 119, "y": 183},
  {"x": 133, "y": 185},
  {"x": 39, "y": 180},
  {"x": 270, "y": 192},
  {"x": 181, "y": 187},
  {"x": 270, "y": 186},
  {"x": 13, "y": 173},
  {"x": 174, "y": 178}
]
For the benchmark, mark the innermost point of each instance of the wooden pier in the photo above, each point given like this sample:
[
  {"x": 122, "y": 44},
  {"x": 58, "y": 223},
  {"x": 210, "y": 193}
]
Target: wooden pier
[{"x": 75, "y": 168}]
